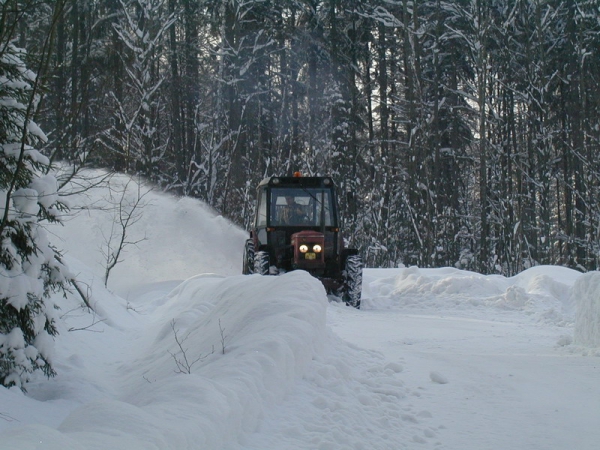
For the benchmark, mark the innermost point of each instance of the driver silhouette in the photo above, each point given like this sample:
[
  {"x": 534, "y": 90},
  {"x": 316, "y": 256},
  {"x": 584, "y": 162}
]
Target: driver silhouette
[{"x": 292, "y": 213}]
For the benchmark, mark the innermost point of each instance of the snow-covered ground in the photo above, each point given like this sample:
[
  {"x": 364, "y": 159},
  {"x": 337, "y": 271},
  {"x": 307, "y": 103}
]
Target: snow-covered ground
[{"x": 182, "y": 352}]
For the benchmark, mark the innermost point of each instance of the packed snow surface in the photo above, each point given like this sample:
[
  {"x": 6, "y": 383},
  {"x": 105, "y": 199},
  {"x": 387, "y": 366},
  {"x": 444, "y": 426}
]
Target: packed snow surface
[{"x": 181, "y": 352}]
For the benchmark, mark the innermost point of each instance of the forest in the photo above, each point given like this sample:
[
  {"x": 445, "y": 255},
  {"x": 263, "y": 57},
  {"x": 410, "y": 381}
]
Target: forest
[{"x": 467, "y": 131}]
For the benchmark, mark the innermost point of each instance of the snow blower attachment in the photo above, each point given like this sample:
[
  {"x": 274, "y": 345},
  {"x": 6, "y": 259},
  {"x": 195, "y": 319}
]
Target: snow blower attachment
[{"x": 297, "y": 227}]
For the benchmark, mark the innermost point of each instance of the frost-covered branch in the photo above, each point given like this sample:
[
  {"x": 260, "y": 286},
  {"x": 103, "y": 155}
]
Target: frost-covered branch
[
  {"x": 127, "y": 214},
  {"x": 182, "y": 361}
]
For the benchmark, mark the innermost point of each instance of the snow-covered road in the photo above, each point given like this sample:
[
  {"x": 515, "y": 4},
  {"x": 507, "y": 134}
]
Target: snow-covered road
[{"x": 510, "y": 385}]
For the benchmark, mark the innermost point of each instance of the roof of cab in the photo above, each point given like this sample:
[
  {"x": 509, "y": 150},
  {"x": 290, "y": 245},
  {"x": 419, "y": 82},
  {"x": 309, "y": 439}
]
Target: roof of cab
[{"x": 297, "y": 181}]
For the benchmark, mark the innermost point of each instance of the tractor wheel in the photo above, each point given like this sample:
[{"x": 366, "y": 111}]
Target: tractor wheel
[
  {"x": 248, "y": 263},
  {"x": 352, "y": 280},
  {"x": 262, "y": 263}
]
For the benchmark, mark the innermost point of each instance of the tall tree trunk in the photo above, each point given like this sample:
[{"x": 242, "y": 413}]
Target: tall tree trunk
[{"x": 177, "y": 145}]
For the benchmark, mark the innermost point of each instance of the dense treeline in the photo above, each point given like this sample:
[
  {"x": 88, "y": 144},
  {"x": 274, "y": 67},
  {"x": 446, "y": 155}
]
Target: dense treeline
[{"x": 468, "y": 130}]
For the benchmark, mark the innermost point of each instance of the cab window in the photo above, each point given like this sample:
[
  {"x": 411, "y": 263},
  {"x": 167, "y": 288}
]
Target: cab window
[
  {"x": 261, "y": 217},
  {"x": 301, "y": 207}
]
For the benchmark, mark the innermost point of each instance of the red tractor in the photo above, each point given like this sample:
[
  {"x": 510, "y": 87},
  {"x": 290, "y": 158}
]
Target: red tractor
[{"x": 297, "y": 227}]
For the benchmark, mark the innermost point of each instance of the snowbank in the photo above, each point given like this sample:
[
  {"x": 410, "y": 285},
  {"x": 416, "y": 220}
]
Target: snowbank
[
  {"x": 270, "y": 330},
  {"x": 586, "y": 293},
  {"x": 542, "y": 292}
]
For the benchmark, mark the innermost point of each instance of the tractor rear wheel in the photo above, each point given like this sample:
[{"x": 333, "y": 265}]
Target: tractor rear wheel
[
  {"x": 248, "y": 262},
  {"x": 352, "y": 281}
]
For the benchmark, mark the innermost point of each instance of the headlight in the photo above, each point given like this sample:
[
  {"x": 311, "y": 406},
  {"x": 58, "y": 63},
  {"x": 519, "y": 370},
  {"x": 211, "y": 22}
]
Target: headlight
[
  {"x": 317, "y": 248},
  {"x": 303, "y": 248}
]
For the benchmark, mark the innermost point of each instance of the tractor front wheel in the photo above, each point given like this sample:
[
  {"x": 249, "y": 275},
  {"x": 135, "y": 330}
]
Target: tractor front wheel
[{"x": 262, "y": 262}]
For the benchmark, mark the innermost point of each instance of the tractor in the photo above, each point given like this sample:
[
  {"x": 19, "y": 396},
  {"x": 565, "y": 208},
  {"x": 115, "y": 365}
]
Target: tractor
[{"x": 297, "y": 227}]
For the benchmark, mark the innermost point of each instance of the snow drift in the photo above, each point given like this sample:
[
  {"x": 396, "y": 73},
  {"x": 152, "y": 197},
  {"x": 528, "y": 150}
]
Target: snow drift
[
  {"x": 245, "y": 350},
  {"x": 543, "y": 292},
  {"x": 586, "y": 292}
]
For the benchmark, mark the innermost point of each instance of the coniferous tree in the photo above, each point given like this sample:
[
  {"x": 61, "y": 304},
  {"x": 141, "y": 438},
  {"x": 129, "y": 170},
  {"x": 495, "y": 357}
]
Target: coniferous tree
[{"x": 30, "y": 267}]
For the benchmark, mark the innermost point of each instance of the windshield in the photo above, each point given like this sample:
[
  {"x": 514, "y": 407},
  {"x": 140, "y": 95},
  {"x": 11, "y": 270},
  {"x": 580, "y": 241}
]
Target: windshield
[{"x": 301, "y": 207}]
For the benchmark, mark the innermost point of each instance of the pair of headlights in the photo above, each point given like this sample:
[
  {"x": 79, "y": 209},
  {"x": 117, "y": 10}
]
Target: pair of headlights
[{"x": 315, "y": 248}]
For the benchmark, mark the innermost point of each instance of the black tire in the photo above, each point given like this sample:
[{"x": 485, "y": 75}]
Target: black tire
[
  {"x": 352, "y": 280},
  {"x": 248, "y": 263},
  {"x": 262, "y": 263}
]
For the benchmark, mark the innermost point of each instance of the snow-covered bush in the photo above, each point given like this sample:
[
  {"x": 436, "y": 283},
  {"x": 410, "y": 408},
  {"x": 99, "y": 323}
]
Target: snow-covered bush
[
  {"x": 586, "y": 293},
  {"x": 30, "y": 268}
]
